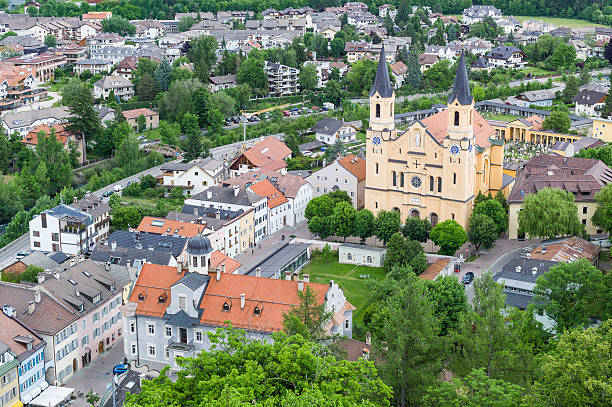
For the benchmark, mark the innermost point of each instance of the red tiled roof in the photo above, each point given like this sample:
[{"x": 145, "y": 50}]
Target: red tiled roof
[
  {"x": 170, "y": 227},
  {"x": 129, "y": 62},
  {"x": 437, "y": 123},
  {"x": 432, "y": 271},
  {"x": 218, "y": 259},
  {"x": 399, "y": 68},
  {"x": 355, "y": 165},
  {"x": 60, "y": 133},
  {"x": 154, "y": 281},
  {"x": 133, "y": 114},
  {"x": 265, "y": 188},
  {"x": 269, "y": 149}
]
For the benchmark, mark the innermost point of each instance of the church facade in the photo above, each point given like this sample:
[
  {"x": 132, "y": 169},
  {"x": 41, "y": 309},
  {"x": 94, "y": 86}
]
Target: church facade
[{"x": 435, "y": 168}]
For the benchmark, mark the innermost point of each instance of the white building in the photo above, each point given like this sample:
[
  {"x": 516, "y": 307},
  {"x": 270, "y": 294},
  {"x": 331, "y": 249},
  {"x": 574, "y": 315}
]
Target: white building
[
  {"x": 345, "y": 174},
  {"x": 194, "y": 176},
  {"x": 121, "y": 87},
  {"x": 330, "y": 130},
  {"x": 361, "y": 255},
  {"x": 95, "y": 66},
  {"x": 282, "y": 79}
]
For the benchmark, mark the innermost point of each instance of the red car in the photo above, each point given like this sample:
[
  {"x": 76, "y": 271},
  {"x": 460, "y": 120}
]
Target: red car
[{"x": 286, "y": 113}]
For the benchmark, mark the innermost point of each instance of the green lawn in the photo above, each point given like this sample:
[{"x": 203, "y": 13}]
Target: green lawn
[
  {"x": 152, "y": 134},
  {"x": 347, "y": 276},
  {"x": 504, "y": 117},
  {"x": 534, "y": 70},
  {"x": 561, "y": 22}
]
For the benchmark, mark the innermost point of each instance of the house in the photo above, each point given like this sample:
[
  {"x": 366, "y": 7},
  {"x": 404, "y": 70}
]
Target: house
[
  {"x": 599, "y": 48},
  {"x": 222, "y": 199},
  {"x": 22, "y": 122},
  {"x": 217, "y": 83},
  {"x": 583, "y": 50},
  {"x": 68, "y": 140},
  {"x": 285, "y": 261},
  {"x": 96, "y": 16},
  {"x": 426, "y": 61},
  {"x": 17, "y": 87},
  {"x": 95, "y": 66},
  {"x": 580, "y": 176},
  {"x": 282, "y": 79},
  {"x": 105, "y": 114},
  {"x": 345, "y": 174},
  {"x": 602, "y": 129},
  {"x": 399, "y": 71},
  {"x": 25, "y": 44},
  {"x": 295, "y": 189},
  {"x": 46, "y": 261},
  {"x": 151, "y": 118},
  {"x": 442, "y": 51},
  {"x": 72, "y": 52},
  {"x": 475, "y": 14},
  {"x": 149, "y": 29},
  {"x": 570, "y": 149},
  {"x": 87, "y": 288},
  {"x": 9, "y": 385},
  {"x": 349, "y": 253},
  {"x": 194, "y": 176},
  {"x": 603, "y": 33},
  {"x": 127, "y": 65},
  {"x": 171, "y": 311},
  {"x": 277, "y": 203},
  {"x": 52, "y": 321},
  {"x": 481, "y": 64},
  {"x": 589, "y": 102},
  {"x": 543, "y": 97},
  {"x": 42, "y": 65},
  {"x": 163, "y": 226},
  {"x": 269, "y": 153},
  {"x": 121, "y": 88},
  {"x": 28, "y": 350},
  {"x": 329, "y": 130},
  {"x": 507, "y": 57},
  {"x": 70, "y": 229},
  {"x": 356, "y": 50}
]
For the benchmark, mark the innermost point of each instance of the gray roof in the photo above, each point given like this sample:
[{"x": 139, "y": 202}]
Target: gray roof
[
  {"x": 112, "y": 82},
  {"x": 363, "y": 247},
  {"x": 23, "y": 40},
  {"x": 526, "y": 265},
  {"x": 151, "y": 241},
  {"x": 39, "y": 259},
  {"x": 93, "y": 205},
  {"x": 311, "y": 145},
  {"x": 122, "y": 255},
  {"x": 27, "y": 117},
  {"x": 300, "y": 173},
  {"x": 518, "y": 300},
  {"x": 382, "y": 83},
  {"x": 94, "y": 61},
  {"x": 223, "y": 79},
  {"x": 181, "y": 319},
  {"x": 207, "y": 164},
  {"x": 461, "y": 88},
  {"x": 327, "y": 126},
  {"x": 226, "y": 195},
  {"x": 589, "y": 97},
  {"x": 502, "y": 52},
  {"x": 278, "y": 259},
  {"x": 506, "y": 180},
  {"x": 4, "y": 347},
  {"x": 68, "y": 213},
  {"x": 193, "y": 281},
  {"x": 481, "y": 62},
  {"x": 182, "y": 216}
]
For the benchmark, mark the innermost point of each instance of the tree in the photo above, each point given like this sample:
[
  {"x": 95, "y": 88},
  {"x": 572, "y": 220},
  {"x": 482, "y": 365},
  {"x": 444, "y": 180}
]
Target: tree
[
  {"x": 239, "y": 371},
  {"x": 499, "y": 197},
  {"x": 608, "y": 51},
  {"x": 92, "y": 398},
  {"x": 364, "y": 224},
  {"x": 83, "y": 118},
  {"x": 333, "y": 93},
  {"x": 125, "y": 217},
  {"x": 202, "y": 52},
  {"x": 183, "y": 97},
  {"x": 564, "y": 56},
  {"x": 570, "y": 90},
  {"x": 558, "y": 121},
  {"x": 146, "y": 89},
  {"x": 30, "y": 274},
  {"x": 343, "y": 219},
  {"x": 606, "y": 111},
  {"x": 549, "y": 213},
  {"x": 413, "y": 79},
  {"x": 71, "y": 91},
  {"x": 450, "y": 302},
  {"x": 307, "y": 77},
  {"x": 321, "y": 226},
  {"x": 603, "y": 213},
  {"x": 118, "y": 25},
  {"x": 50, "y": 41},
  {"x": 584, "y": 77},
  {"x": 141, "y": 123},
  {"x": 569, "y": 293},
  {"x": 483, "y": 230},
  {"x": 416, "y": 229},
  {"x": 309, "y": 317},
  {"x": 361, "y": 76},
  {"x": 185, "y": 23},
  {"x": 402, "y": 252},
  {"x": 449, "y": 235},
  {"x": 575, "y": 373},
  {"x": 162, "y": 75},
  {"x": 230, "y": 61},
  {"x": 224, "y": 103},
  {"x": 475, "y": 390},
  {"x": 128, "y": 153},
  {"x": 495, "y": 211},
  {"x": 252, "y": 72},
  {"x": 387, "y": 223},
  {"x": 193, "y": 145},
  {"x": 337, "y": 47},
  {"x": 169, "y": 132}
]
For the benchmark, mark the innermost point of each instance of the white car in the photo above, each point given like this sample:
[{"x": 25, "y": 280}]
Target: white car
[
  {"x": 118, "y": 187},
  {"x": 602, "y": 242}
]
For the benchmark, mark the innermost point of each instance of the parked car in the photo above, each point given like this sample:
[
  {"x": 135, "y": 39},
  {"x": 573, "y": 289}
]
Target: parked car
[
  {"x": 467, "y": 278},
  {"x": 286, "y": 113},
  {"x": 118, "y": 187},
  {"x": 108, "y": 193},
  {"x": 21, "y": 255}
]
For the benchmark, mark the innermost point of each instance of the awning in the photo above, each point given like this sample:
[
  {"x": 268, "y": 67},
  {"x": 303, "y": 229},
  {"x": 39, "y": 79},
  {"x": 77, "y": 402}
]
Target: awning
[
  {"x": 17, "y": 404},
  {"x": 52, "y": 396}
]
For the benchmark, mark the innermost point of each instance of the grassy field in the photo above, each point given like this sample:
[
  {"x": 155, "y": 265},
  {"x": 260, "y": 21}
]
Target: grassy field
[
  {"x": 533, "y": 70},
  {"x": 561, "y": 22},
  {"x": 504, "y": 117},
  {"x": 347, "y": 276}
]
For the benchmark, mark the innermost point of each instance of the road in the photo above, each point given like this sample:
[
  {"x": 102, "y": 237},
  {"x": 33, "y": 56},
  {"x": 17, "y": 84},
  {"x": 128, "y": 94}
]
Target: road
[{"x": 230, "y": 150}]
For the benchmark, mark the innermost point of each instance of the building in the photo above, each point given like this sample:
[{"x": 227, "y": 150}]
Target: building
[
  {"x": 170, "y": 311},
  {"x": 127, "y": 65},
  {"x": 507, "y": 57},
  {"x": 285, "y": 261},
  {"x": 122, "y": 88},
  {"x": 282, "y": 79},
  {"x": 163, "y": 226},
  {"x": 399, "y": 70},
  {"x": 96, "y": 16},
  {"x": 17, "y": 87},
  {"x": 99, "y": 211},
  {"x": 349, "y": 253},
  {"x": 580, "y": 176},
  {"x": 569, "y": 149},
  {"x": 9, "y": 383},
  {"x": 68, "y": 140},
  {"x": 602, "y": 129},
  {"x": 95, "y": 66},
  {"x": 426, "y": 61},
  {"x": 217, "y": 83},
  {"x": 589, "y": 102},
  {"x": 269, "y": 153},
  {"x": 435, "y": 167},
  {"x": 62, "y": 229},
  {"x": 153, "y": 242},
  {"x": 481, "y": 64},
  {"x": 73, "y": 53},
  {"x": 475, "y": 14},
  {"x": 543, "y": 97},
  {"x": 330, "y": 130},
  {"x": 49, "y": 319},
  {"x": 193, "y": 177},
  {"x": 29, "y": 351},
  {"x": 530, "y": 130},
  {"x": 356, "y": 50},
  {"x": 46, "y": 261},
  {"x": 151, "y": 118},
  {"x": 42, "y": 66},
  {"x": 345, "y": 174}
]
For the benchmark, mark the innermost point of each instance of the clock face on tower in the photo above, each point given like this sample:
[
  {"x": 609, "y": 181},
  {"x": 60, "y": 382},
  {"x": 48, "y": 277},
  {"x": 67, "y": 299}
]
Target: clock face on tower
[
  {"x": 415, "y": 181},
  {"x": 454, "y": 150},
  {"x": 376, "y": 140}
]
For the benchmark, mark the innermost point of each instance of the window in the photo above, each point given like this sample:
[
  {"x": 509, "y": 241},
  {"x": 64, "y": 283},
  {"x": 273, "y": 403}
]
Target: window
[
  {"x": 349, "y": 256},
  {"x": 85, "y": 341},
  {"x": 194, "y": 261},
  {"x": 55, "y": 237},
  {"x": 151, "y": 350},
  {"x": 347, "y": 324},
  {"x": 376, "y": 168},
  {"x": 36, "y": 233},
  {"x": 133, "y": 348},
  {"x": 453, "y": 216},
  {"x": 96, "y": 317},
  {"x": 132, "y": 327},
  {"x": 439, "y": 184},
  {"x": 394, "y": 179},
  {"x": 151, "y": 329},
  {"x": 181, "y": 301},
  {"x": 377, "y": 110},
  {"x": 454, "y": 178},
  {"x": 168, "y": 331},
  {"x": 84, "y": 325},
  {"x": 43, "y": 219},
  {"x": 585, "y": 210},
  {"x": 401, "y": 179},
  {"x": 456, "y": 118},
  {"x": 584, "y": 221},
  {"x": 198, "y": 336},
  {"x": 431, "y": 184},
  {"x": 36, "y": 244},
  {"x": 369, "y": 258}
]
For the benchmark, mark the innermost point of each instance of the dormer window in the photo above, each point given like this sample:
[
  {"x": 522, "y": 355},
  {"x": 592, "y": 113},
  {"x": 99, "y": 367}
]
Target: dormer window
[
  {"x": 257, "y": 311},
  {"x": 141, "y": 297},
  {"x": 226, "y": 306},
  {"x": 96, "y": 298},
  {"x": 161, "y": 299}
]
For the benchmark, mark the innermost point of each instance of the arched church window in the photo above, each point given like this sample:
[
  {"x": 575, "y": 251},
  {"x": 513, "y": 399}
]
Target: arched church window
[
  {"x": 417, "y": 139},
  {"x": 394, "y": 174},
  {"x": 454, "y": 178},
  {"x": 377, "y": 110},
  {"x": 439, "y": 184},
  {"x": 456, "y": 118},
  {"x": 431, "y": 183},
  {"x": 401, "y": 179}
]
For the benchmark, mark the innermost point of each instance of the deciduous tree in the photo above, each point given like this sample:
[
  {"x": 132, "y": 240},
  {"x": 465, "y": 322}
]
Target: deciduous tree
[
  {"x": 416, "y": 229},
  {"x": 549, "y": 213},
  {"x": 387, "y": 223},
  {"x": 364, "y": 224},
  {"x": 494, "y": 210},
  {"x": 482, "y": 230},
  {"x": 343, "y": 219},
  {"x": 449, "y": 235}
]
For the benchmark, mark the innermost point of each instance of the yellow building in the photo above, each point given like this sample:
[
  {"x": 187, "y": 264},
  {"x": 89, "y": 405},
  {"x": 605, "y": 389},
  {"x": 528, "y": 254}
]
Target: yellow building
[
  {"x": 436, "y": 167},
  {"x": 529, "y": 130},
  {"x": 602, "y": 129},
  {"x": 247, "y": 230},
  {"x": 9, "y": 383}
]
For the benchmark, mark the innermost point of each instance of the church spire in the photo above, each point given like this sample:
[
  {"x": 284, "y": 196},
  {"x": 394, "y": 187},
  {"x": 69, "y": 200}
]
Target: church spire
[
  {"x": 382, "y": 83},
  {"x": 461, "y": 88}
]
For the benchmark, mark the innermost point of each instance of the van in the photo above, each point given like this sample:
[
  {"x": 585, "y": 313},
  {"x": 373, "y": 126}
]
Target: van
[{"x": 118, "y": 187}]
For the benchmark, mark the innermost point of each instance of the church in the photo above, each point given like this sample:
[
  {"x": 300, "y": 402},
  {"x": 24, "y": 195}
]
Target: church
[{"x": 435, "y": 168}]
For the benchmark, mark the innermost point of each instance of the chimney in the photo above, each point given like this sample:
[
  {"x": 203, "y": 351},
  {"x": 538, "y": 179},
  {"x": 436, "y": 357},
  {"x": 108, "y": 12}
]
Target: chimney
[
  {"x": 127, "y": 264},
  {"x": 236, "y": 190},
  {"x": 179, "y": 268},
  {"x": 31, "y": 307},
  {"x": 242, "y": 300},
  {"x": 77, "y": 293},
  {"x": 208, "y": 194},
  {"x": 287, "y": 275},
  {"x": 528, "y": 255},
  {"x": 56, "y": 275},
  {"x": 75, "y": 200},
  {"x": 300, "y": 285},
  {"x": 218, "y": 214},
  {"x": 114, "y": 245},
  {"x": 368, "y": 339},
  {"x": 41, "y": 278},
  {"x": 534, "y": 271},
  {"x": 195, "y": 211},
  {"x": 107, "y": 266},
  {"x": 223, "y": 268},
  {"x": 37, "y": 295},
  {"x": 544, "y": 249},
  {"x": 218, "y": 274},
  {"x": 295, "y": 276},
  {"x": 258, "y": 272},
  {"x": 306, "y": 278}
]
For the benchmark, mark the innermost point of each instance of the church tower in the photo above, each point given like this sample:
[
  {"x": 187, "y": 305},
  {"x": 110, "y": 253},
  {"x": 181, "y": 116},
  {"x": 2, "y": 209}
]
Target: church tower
[
  {"x": 459, "y": 144},
  {"x": 379, "y": 135}
]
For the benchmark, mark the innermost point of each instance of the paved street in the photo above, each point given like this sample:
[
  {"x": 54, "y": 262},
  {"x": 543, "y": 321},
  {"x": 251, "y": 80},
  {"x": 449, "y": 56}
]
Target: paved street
[{"x": 97, "y": 375}]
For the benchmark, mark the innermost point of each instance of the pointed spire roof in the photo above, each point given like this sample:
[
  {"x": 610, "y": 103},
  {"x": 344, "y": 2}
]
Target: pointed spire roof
[
  {"x": 461, "y": 88},
  {"x": 382, "y": 83}
]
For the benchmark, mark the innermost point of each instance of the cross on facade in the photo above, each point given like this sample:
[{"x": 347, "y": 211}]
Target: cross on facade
[{"x": 416, "y": 164}]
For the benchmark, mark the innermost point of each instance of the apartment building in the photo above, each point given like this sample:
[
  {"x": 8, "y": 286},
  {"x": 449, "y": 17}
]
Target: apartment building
[
  {"x": 193, "y": 177},
  {"x": 17, "y": 87},
  {"x": 121, "y": 88},
  {"x": 95, "y": 66},
  {"x": 282, "y": 79},
  {"x": 42, "y": 66},
  {"x": 345, "y": 174},
  {"x": 22, "y": 122},
  {"x": 9, "y": 385}
]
